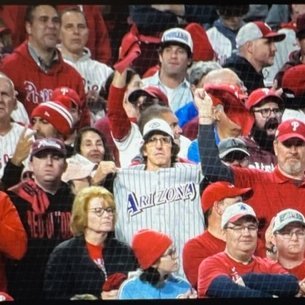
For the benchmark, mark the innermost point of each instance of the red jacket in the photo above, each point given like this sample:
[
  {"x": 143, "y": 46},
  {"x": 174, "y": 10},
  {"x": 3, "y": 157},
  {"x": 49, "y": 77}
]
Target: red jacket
[
  {"x": 13, "y": 238},
  {"x": 34, "y": 85}
]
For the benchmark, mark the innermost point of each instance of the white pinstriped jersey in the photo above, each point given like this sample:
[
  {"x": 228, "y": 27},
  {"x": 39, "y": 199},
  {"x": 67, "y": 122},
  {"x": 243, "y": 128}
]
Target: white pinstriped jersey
[
  {"x": 167, "y": 200},
  {"x": 8, "y": 144},
  {"x": 20, "y": 115},
  {"x": 93, "y": 72}
]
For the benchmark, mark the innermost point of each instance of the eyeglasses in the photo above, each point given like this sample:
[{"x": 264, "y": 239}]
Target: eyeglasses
[
  {"x": 100, "y": 211},
  {"x": 164, "y": 140},
  {"x": 172, "y": 252},
  {"x": 239, "y": 229},
  {"x": 266, "y": 112},
  {"x": 289, "y": 234}
]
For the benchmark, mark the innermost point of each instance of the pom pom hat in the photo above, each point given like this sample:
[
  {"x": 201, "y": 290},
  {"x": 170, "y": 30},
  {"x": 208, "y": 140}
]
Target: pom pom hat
[{"x": 149, "y": 245}]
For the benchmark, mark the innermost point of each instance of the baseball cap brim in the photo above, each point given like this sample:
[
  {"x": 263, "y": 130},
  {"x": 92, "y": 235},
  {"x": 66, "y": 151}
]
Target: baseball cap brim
[
  {"x": 175, "y": 43},
  {"x": 223, "y": 154},
  {"x": 275, "y": 36},
  {"x": 239, "y": 216},
  {"x": 285, "y": 223},
  {"x": 134, "y": 95},
  {"x": 288, "y": 136}
]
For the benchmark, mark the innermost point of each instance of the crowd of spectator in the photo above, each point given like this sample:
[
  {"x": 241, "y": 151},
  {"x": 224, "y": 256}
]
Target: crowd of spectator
[{"x": 152, "y": 151}]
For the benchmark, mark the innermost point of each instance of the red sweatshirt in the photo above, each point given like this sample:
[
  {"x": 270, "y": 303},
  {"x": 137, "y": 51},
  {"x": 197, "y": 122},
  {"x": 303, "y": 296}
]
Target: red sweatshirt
[
  {"x": 36, "y": 86},
  {"x": 13, "y": 238}
]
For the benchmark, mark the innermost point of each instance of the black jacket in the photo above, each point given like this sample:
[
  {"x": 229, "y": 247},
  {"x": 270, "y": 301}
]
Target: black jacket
[
  {"x": 71, "y": 271},
  {"x": 246, "y": 72}
]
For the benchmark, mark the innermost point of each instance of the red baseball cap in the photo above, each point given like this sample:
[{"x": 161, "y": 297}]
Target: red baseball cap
[
  {"x": 289, "y": 129},
  {"x": 259, "y": 95},
  {"x": 220, "y": 190},
  {"x": 256, "y": 30},
  {"x": 232, "y": 98},
  {"x": 66, "y": 95},
  {"x": 151, "y": 91},
  {"x": 294, "y": 80}
]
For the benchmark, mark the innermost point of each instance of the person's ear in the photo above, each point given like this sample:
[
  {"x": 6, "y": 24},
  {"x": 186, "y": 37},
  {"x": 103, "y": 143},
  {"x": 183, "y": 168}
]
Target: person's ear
[{"x": 28, "y": 28}]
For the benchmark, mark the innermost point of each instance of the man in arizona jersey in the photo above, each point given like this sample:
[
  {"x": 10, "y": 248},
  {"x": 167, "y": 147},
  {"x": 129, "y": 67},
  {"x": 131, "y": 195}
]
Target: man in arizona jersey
[{"x": 160, "y": 194}]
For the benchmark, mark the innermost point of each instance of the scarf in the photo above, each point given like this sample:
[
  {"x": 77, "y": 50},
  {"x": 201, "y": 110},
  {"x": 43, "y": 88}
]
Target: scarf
[{"x": 33, "y": 194}]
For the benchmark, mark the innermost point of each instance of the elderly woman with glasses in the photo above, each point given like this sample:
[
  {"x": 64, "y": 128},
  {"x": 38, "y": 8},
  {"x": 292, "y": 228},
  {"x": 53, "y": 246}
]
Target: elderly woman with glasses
[
  {"x": 82, "y": 264},
  {"x": 158, "y": 260}
]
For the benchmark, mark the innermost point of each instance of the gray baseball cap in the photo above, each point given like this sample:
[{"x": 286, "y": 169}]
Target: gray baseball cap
[{"x": 229, "y": 145}]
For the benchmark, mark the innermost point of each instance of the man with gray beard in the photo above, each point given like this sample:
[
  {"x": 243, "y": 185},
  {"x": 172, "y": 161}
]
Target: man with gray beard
[{"x": 284, "y": 187}]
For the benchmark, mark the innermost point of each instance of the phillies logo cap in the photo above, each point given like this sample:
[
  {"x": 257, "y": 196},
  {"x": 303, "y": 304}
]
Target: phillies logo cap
[
  {"x": 236, "y": 211},
  {"x": 285, "y": 217},
  {"x": 289, "y": 129},
  {"x": 256, "y": 30},
  {"x": 48, "y": 144},
  {"x": 178, "y": 35},
  {"x": 262, "y": 94}
]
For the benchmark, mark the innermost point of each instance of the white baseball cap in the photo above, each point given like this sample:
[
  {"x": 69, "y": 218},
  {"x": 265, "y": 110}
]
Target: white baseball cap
[
  {"x": 175, "y": 35},
  {"x": 157, "y": 125},
  {"x": 256, "y": 30},
  {"x": 286, "y": 217},
  {"x": 236, "y": 211}
]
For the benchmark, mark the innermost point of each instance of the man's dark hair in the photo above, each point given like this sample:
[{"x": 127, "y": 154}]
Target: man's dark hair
[
  {"x": 31, "y": 8},
  {"x": 232, "y": 10}
]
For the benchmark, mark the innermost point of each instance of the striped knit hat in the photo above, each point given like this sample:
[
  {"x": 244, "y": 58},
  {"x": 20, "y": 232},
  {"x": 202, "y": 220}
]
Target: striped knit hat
[{"x": 56, "y": 114}]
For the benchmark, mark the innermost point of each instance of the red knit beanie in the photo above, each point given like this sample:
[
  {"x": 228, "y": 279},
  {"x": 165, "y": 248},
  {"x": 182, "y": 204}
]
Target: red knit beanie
[
  {"x": 149, "y": 245},
  {"x": 56, "y": 114}
]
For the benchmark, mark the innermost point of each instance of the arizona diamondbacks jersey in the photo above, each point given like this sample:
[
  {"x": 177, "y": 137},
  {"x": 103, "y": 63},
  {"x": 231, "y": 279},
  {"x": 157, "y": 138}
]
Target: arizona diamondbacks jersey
[{"x": 167, "y": 200}]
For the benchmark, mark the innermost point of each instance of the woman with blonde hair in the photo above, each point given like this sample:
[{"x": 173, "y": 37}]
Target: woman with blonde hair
[{"x": 82, "y": 264}]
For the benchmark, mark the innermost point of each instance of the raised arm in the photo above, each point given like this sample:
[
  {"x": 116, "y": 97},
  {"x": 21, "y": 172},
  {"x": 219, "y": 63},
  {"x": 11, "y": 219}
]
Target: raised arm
[{"x": 212, "y": 167}]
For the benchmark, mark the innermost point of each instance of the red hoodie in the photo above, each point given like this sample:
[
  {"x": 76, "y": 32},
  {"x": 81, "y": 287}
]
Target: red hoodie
[{"x": 36, "y": 86}]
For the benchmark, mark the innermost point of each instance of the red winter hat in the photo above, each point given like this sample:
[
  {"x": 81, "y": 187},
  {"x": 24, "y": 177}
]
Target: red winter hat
[
  {"x": 114, "y": 281},
  {"x": 5, "y": 297},
  {"x": 220, "y": 190},
  {"x": 152, "y": 91},
  {"x": 261, "y": 94},
  {"x": 294, "y": 80},
  {"x": 202, "y": 49},
  {"x": 66, "y": 96},
  {"x": 149, "y": 245},
  {"x": 56, "y": 114},
  {"x": 289, "y": 129}
]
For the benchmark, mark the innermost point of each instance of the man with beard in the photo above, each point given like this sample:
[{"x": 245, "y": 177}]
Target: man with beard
[
  {"x": 256, "y": 50},
  {"x": 284, "y": 187},
  {"x": 266, "y": 106}
]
